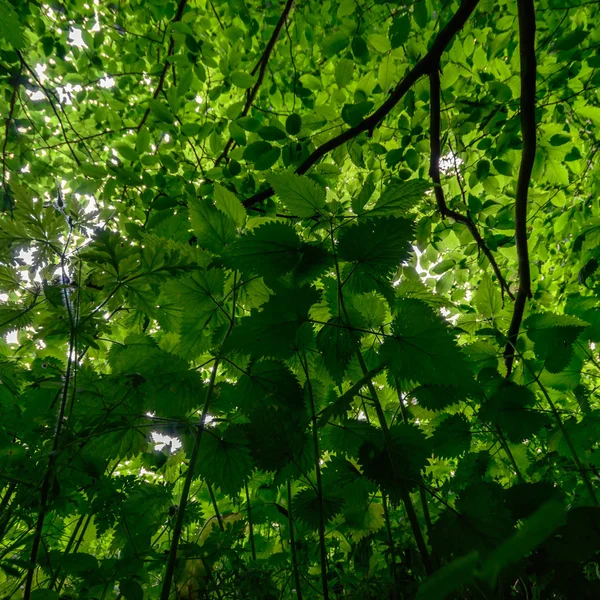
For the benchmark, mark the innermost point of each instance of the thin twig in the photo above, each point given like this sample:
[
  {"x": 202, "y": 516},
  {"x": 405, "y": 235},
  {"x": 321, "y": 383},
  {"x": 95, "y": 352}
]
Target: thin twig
[
  {"x": 163, "y": 74},
  {"x": 261, "y": 66},
  {"x": 434, "y": 173}
]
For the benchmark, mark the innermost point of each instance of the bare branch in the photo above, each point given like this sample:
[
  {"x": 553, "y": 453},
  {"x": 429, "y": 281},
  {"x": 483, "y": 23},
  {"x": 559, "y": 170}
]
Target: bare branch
[
  {"x": 528, "y": 131},
  {"x": 422, "y": 68}
]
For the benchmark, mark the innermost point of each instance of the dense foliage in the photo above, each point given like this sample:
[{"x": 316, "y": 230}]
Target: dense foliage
[{"x": 299, "y": 299}]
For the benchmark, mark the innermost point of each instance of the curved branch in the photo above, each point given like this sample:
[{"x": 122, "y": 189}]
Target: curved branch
[
  {"x": 163, "y": 73},
  {"x": 13, "y": 99},
  {"x": 434, "y": 173},
  {"x": 528, "y": 131},
  {"x": 261, "y": 67},
  {"x": 422, "y": 68}
]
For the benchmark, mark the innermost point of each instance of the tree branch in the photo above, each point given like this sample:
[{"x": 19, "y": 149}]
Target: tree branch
[
  {"x": 163, "y": 74},
  {"x": 261, "y": 67},
  {"x": 422, "y": 68},
  {"x": 528, "y": 131},
  {"x": 434, "y": 173},
  {"x": 11, "y": 111}
]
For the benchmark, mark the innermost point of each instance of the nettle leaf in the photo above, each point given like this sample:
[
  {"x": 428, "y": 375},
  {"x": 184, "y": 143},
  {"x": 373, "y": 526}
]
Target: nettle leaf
[
  {"x": 198, "y": 301},
  {"x": 366, "y": 521},
  {"x": 511, "y": 409},
  {"x": 409, "y": 452},
  {"x": 438, "y": 397},
  {"x": 399, "y": 198},
  {"x": 275, "y": 249},
  {"x": 306, "y": 506},
  {"x": 278, "y": 439},
  {"x": 300, "y": 194},
  {"x": 224, "y": 459},
  {"x": 374, "y": 250},
  {"x": 341, "y": 405},
  {"x": 338, "y": 344},
  {"x": 213, "y": 228},
  {"x": 277, "y": 330},
  {"x": 269, "y": 384},
  {"x": 227, "y": 203},
  {"x": 452, "y": 437},
  {"x": 422, "y": 348},
  {"x": 482, "y": 522},
  {"x": 487, "y": 298},
  {"x": 553, "y": 337}
]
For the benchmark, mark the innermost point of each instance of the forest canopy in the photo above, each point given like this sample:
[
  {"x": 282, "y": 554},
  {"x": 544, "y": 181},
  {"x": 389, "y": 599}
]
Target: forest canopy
[{"x": 299, "y": 299}]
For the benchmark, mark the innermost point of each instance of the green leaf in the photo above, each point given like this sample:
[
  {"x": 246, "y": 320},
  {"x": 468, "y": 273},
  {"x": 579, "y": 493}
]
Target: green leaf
[
  {"x": 353, "y": 114},
  {"x": 344, "y": 71},
  {"x": 307, "y": 506},
  {"x": 444, "y": 581},
  {"x": 161, "y": 111},
  {"x": 293, "y": 124},
  {"x": 41, "y": 594},
  {"x": 377, "y": 245},
  {"x": 127, "y": 152},
  {"x": 399, "y": 465},
  {"x": 511, "y": 409},
  {"x": 399, "y": 198},
  {"x": 422, "y": 348},
  {"x": 335, "y": 43},
  {"x": 452, "y": 437},
  {"x": 142, "y": 143},
  {"x": 338, "y": 345},
  {"x": 271, "y": 250},
  {"x": 300, "y": 194},
  {"x": 131, "y": 590},
  {"x": 213, "y": 228},
  {"x": 277, "y": 330},
  {"x": 399, "y": 31},
  {"x": 553, "y": 337},
  {"x": 224, "y": 460},
  {"x": 91, "y": 170},
  {"x": 242, "y": 80},
  {"x": 487, "y": 298},
  {"x": 271, "y": 133},
  {"x": 10, "y": 26},
  {"x": 228, "y": 204}
]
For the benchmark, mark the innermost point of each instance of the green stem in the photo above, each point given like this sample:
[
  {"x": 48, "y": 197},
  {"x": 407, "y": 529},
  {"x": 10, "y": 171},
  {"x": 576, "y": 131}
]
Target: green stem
[
  {"x": 388, "y": 527},
  {"x": 586, "y": 480},
  {"x": 187, "y": 484},
  {"x": 215, "y": 506},
  {"x": 6, "y": 514},
  {"x": 315, "y": 436},
  {"x": 47, "y": 481},
  {"x": 293, "y": 543},
  {"x": 68, "y": 549},
  {"x": 404, "y": 495},
  {"x": 422, "y": 496},
  {"x": 250, "y": 523}
]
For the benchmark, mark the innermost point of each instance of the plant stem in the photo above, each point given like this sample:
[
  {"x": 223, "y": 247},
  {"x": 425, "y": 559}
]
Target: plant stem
[
  {"x": 315, "y": 435},
  {"x": 293, "y": 542},
  {"x": 388, "y": 526},
  {"x": 47, "y": 481},
  {"x": 584, "y": 475},
  {"x": 215, "y": 506},
  {"x": 178, "y": 528},
  {"x": 250, "y": 523}
]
